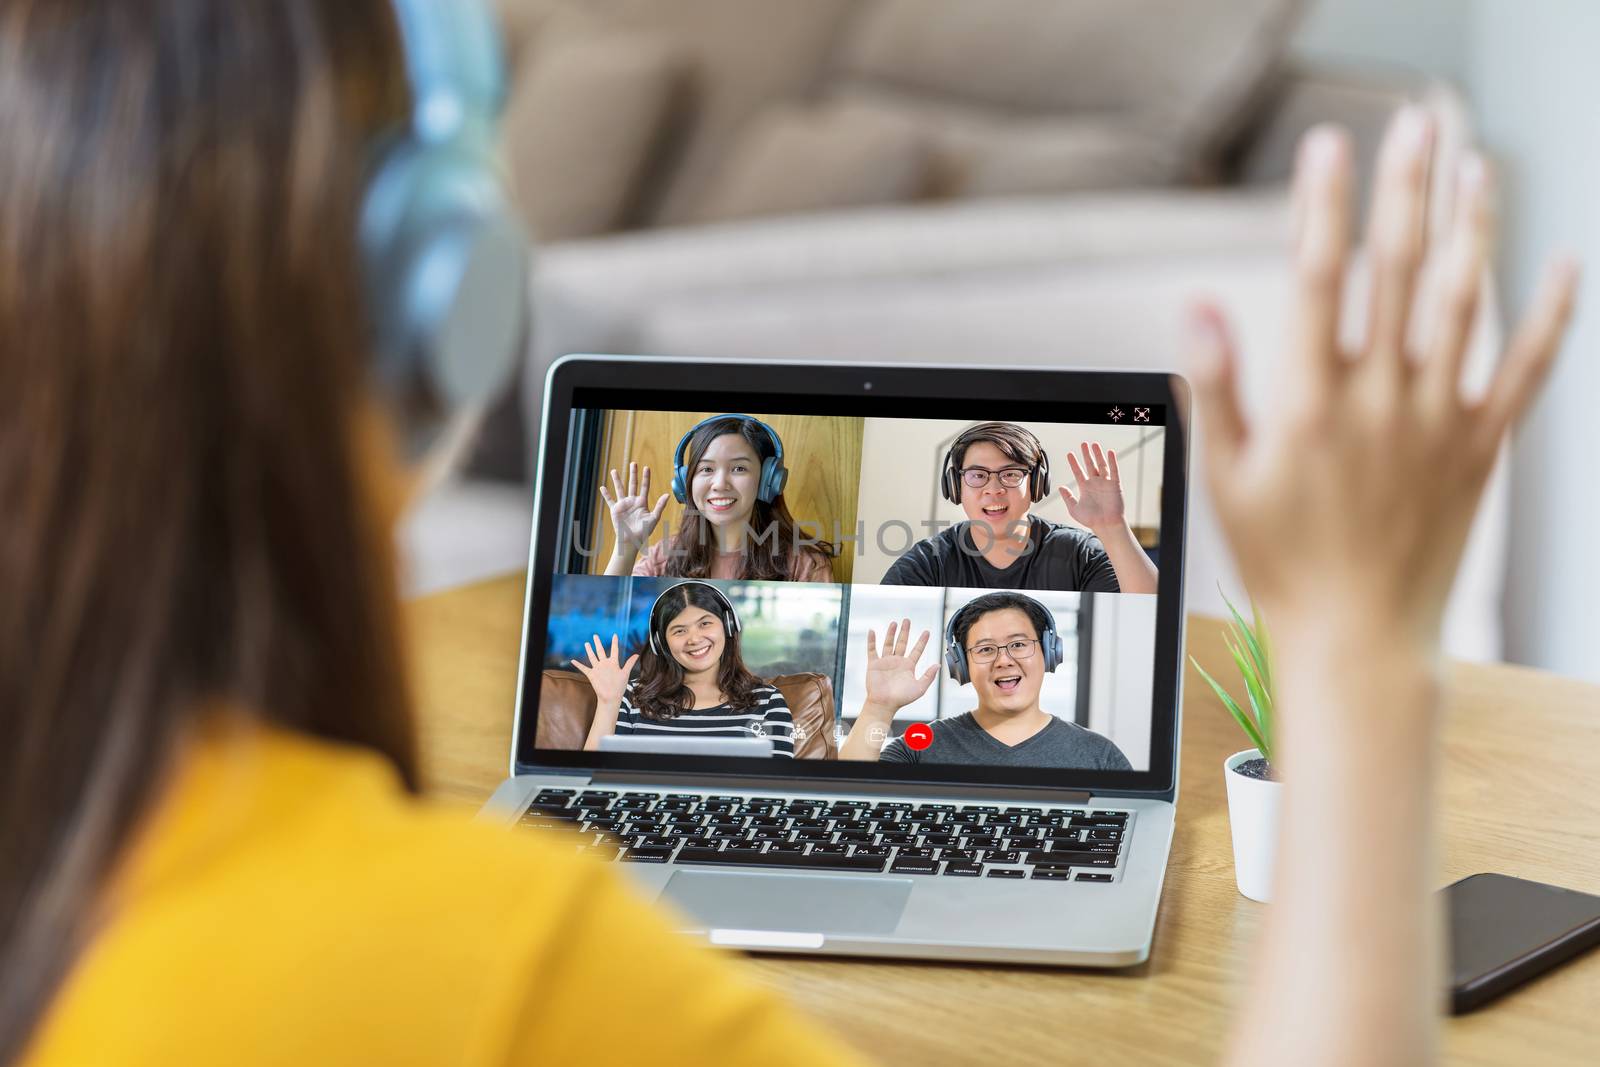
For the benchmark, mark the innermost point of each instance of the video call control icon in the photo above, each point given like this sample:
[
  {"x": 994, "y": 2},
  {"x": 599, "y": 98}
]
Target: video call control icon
[
  {"x": 1141, "y": 414},
  {"x": 919, "y": 735},
  {"x": 1115, "y": 415}
]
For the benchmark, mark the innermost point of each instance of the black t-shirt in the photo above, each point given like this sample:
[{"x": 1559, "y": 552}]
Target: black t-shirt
[{"x": 1057, "y": 557}]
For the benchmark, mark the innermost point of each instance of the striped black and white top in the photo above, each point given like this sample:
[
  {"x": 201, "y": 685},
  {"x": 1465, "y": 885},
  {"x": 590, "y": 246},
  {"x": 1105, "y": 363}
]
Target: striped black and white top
[{"x": 767, "y": 717}]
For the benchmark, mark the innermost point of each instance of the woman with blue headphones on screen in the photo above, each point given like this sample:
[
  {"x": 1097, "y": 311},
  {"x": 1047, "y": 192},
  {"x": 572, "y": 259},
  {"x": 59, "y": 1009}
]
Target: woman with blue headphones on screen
[
  {"x": 1002, "y": 644},
  {"x": 692, "y": 680},
  {"x": 728, "y": 470}
]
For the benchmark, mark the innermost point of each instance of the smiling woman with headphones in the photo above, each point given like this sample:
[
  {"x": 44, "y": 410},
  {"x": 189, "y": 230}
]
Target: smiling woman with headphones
[
  {"x": 239, "y": 256},
  {"x": 692, "y": 679},
  {"x": 729, "y": 473}
]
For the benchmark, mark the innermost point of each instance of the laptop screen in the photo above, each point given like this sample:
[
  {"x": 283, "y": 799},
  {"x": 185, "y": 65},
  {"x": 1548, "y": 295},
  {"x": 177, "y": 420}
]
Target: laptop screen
[{"x": 904, "y": 574}]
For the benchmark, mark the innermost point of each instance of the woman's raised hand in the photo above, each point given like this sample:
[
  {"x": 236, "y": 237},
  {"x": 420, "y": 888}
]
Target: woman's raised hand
[
  {"x": 632, "y": 517},
  {"x": 1353, "y": 496},
  {"x": 1098, "y": 505},
  {"x": 608, "y": 676},
  {"x": 892, "y": 678}
]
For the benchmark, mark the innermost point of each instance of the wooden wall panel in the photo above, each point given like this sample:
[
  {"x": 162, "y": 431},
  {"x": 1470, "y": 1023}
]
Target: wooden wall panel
[{"x": 823, "y": 455}]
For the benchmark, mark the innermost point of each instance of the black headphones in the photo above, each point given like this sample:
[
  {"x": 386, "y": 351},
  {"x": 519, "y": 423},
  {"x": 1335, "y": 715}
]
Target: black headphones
[
  {"x": 955, "y": 656},
  {"x": 950, "y": 476},
  {"x": 658, "y": 640}
]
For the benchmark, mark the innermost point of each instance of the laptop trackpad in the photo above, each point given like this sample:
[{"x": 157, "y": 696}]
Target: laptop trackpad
[{"x": 813, "y": 903}]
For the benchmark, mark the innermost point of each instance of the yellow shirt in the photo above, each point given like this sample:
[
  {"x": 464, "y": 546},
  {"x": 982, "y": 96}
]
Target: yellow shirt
[{"x": 289, "y": 904}]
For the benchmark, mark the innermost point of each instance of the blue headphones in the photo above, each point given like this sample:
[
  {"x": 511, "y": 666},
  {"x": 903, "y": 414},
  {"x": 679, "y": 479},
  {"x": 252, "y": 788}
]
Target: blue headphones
[
  {"x": 730, "y": 617},
  {"x": 955, "y": 656},
  {"x": 444, "y": 256},
  {"x": 774, "y": 475}
]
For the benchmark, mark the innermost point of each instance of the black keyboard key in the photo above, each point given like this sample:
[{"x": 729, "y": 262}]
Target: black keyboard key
[
  {"x": 1024, "y": 811},
  {"x": 860, "y": 837},
  {"x": 1006, "y": 872},
  {"x": 744, "y": 846},
  {"x": 1004, "y": 819},
  {"x": 1053, "y": 874},
  {"x": 828, "y": 850},
  {"x": 1072, "y": 859},
  {"x": 896, "y": 839},
  {"x": 993, "y": 855},
  {"x": 681, "y": 831},
  {"x": 640, "y": 796},
  {"x": 980, "y": 809},
  {"x": 1103, "y": 835},
  {"x": 656, "y": 841},
  {"x": 647, "y": 855},
  {"x": 963, "y": 870},
  {"x": 914, "y": 866},
  {"x": 924, "y": 808},
  {"x": 916, "y": 853},
  {"x": 938, "y": 841},
  {"x": 552, "y": 811},
  {"x": 1091, "y": 876},
  {"x": 809, "y": 824},
  {"x": 872, "y": 850},
  {"x": 810, "y": 861},
  {"x": 605, "y": 853},
  {"x": 789, "y": 847},
  {"x": 767, "y": 834},
  {"x": 959, "y": 855},
  {"x": 819, "y": 836},
  {"x": 630, "y": 804},
  {"x": 887, "y": 806},
  {"x": 1113, "y": 816},
  {"x": 693, "y": 798},
  {"x": 724, "y": 798},
  {"x": 768, "y": 800},
  {"x": 554, "y": 793}
]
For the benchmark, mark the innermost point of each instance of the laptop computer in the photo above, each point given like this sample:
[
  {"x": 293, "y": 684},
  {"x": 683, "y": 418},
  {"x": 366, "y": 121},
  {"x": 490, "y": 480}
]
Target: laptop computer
[{"x": 935, "y": 613}]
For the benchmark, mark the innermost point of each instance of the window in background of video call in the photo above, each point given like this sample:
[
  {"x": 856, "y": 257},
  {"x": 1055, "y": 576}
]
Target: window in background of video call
[{"x": 815, "y": 534}]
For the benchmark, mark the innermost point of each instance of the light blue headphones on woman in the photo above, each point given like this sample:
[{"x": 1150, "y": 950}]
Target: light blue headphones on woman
[{"x": 444, "y": 255}]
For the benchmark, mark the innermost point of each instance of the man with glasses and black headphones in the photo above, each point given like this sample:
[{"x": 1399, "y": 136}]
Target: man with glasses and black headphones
[
  {"x": 1002, "y": 644},
  {"x": 997, "y": 471}
]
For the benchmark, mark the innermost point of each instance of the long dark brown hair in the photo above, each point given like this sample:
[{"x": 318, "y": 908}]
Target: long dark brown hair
[
  {"x": 661, "y": 693},
  {"x": 187, "y": 522},
  {"x": 774, "y": 551}
]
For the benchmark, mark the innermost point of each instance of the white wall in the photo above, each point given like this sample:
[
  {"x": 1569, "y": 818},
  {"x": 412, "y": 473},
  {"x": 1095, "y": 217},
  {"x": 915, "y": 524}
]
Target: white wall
[{"x": 1529, "y": 69}]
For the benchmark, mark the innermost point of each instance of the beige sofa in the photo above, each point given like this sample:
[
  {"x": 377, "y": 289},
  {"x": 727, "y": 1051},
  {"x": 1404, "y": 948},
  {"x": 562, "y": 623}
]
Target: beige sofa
[{"x": 1017, "y": 181}]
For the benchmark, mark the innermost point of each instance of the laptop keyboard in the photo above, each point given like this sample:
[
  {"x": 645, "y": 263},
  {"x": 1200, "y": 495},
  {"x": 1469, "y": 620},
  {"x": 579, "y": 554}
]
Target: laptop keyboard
[{"x": 1056, "y": 844}]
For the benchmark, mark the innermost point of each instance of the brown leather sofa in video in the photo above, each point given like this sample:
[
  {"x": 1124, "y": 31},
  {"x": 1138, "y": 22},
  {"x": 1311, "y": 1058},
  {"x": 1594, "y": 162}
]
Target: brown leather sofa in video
[{"x": 566, "y": 709}]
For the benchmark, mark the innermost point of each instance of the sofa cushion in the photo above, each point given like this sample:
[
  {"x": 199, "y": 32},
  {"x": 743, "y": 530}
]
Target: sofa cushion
[
  {"x": 974, "y": 152},
  {"x": 743, "y": 55},
  {"x": 582, "y": 124},
  {"x": 1192, "y": 70},
  {"x": 794, "y": 159}
]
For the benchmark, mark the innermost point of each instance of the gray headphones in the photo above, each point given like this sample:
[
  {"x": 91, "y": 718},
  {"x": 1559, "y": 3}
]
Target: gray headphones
[{"x": 444, "y": 255}]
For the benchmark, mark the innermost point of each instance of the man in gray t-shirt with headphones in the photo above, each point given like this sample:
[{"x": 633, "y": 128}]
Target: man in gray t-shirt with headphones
[{"x": 1003, "y": 644}]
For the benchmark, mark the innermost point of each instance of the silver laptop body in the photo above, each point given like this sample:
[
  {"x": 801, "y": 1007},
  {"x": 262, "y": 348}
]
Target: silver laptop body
[{"x": 1099, "y": 914}]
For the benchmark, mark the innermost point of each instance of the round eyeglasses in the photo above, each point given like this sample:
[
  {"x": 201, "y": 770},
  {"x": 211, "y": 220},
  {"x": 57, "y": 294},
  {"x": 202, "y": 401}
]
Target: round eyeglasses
[
  {"x": 978, "y": 477},
  {"x": 988, "y": 653}
]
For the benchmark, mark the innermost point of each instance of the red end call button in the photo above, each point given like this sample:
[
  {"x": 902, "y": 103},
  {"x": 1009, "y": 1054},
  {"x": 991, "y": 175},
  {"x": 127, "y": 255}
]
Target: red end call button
[{"x": 919, "y": 735}]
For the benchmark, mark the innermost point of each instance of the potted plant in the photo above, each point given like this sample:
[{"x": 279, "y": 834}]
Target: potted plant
[{"x": 1254, "y": 793}]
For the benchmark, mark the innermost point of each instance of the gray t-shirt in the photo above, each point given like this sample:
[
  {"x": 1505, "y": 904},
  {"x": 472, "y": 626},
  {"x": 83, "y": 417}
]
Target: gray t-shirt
[
  {"x": 1057, "y": 557},
  {"x": 1060, "y": 744}
]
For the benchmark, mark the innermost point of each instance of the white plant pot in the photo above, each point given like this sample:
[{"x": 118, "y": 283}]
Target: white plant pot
[{"x": 1253, "y": 816}]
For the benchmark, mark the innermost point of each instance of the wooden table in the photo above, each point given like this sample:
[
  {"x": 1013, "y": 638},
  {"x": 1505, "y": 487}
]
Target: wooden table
[{"x": 1519, "y": 795}]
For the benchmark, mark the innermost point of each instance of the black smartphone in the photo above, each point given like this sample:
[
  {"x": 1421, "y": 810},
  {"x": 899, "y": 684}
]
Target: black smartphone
[{"x": 1504, "y": 931}]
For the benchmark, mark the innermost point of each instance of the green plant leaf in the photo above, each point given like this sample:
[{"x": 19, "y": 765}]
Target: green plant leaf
[
  {"x": 1248, "y": 635},
  {"x": 1254, "y": 639},
  {"x": 1258, "y": 698},
  {"x": 1264, "y": 639},
  {"x": 1233, "y": 708}
]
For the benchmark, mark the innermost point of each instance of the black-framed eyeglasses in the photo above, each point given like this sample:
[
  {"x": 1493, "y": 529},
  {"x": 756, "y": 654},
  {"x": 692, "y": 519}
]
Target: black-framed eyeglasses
[
  {"x": 1018, "y": 649},
  {"x": 978, "y": 477}
]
